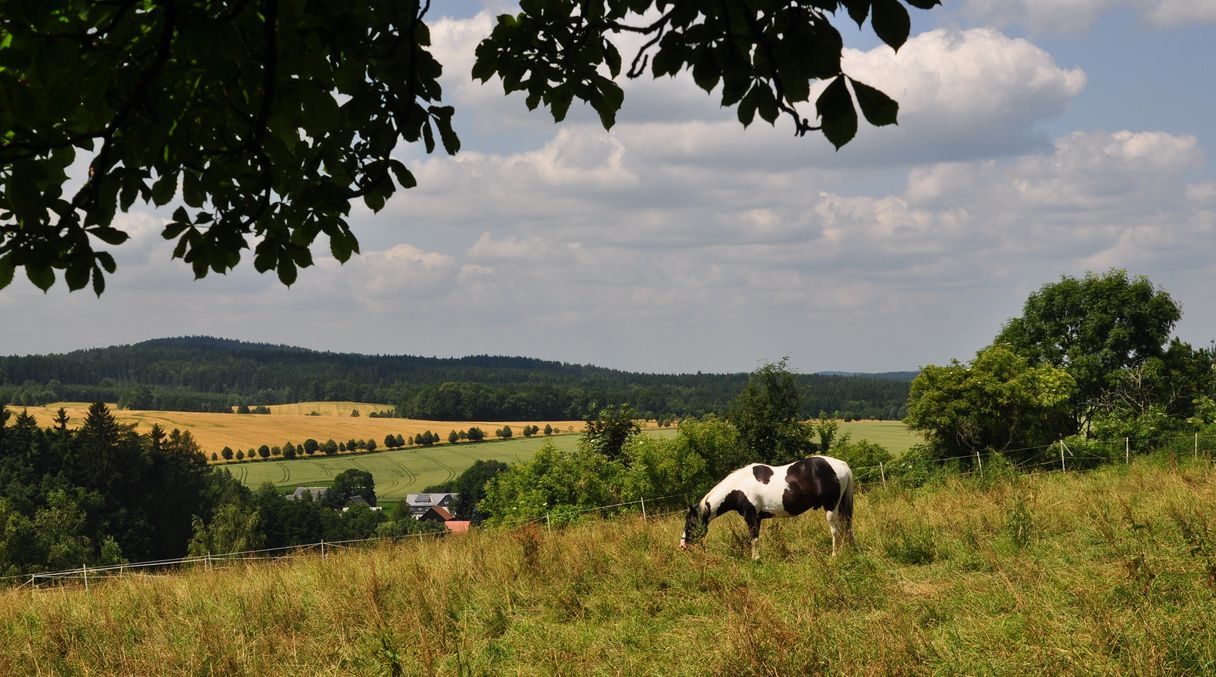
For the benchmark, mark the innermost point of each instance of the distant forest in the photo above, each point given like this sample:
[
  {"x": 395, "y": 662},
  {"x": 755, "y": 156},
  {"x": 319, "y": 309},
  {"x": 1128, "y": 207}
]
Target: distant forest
[{"x": 211, "y": 374}]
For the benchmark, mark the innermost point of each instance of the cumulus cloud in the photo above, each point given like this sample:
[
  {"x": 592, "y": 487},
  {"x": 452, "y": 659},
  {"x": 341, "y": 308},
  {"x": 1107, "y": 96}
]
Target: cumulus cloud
[{"x": 963, "y": 94}]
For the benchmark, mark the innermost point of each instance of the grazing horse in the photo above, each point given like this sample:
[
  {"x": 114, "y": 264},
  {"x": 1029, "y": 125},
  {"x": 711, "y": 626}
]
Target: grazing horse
[{"x": 759, "y": 491}]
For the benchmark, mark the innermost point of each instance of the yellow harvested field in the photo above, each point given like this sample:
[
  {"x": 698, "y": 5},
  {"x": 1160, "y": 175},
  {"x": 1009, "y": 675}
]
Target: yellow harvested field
[
  {"x": 328, "y": 408},
  {"x": 245, "y": 431}
]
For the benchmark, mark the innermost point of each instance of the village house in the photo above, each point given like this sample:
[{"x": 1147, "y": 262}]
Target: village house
[{"x": 420, "y": 503}]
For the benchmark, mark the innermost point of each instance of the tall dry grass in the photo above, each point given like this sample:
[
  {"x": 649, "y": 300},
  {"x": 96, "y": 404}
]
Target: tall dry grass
[{"x": 1108, "y": 572}]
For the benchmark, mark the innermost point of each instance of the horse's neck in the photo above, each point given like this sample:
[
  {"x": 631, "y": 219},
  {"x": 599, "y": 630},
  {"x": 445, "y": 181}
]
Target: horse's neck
[{"x": 718, "y": 494}]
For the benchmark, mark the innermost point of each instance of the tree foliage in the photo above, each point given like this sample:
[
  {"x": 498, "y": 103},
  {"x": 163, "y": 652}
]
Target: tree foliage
[
  {"x": 348, "y": 484},
  {"x": 1095, "y": 328},
  {"x": 767, "y": 414},
  {"x": 998, "y": 401},
  {"x": 609, "y": 429},
  {"x": 261, "y": 122}
]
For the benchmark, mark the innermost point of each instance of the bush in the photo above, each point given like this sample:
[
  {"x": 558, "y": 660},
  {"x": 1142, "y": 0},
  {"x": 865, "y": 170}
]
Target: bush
[
  {"x": 863, "y": 456},
  {"x": 916, "y": 466}
]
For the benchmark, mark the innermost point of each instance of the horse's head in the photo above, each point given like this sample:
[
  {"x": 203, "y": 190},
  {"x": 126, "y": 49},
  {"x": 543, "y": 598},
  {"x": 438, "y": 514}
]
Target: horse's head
[{"x": 696, "y": 524}]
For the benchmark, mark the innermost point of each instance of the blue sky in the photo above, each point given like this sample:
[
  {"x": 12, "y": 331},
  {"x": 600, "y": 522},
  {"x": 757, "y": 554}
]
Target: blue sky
[{"x": 1037, "y": 138}]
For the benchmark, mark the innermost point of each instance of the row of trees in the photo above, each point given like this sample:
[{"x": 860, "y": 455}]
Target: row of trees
[
  {"x": 330, "y": 447},
  {"x": 103, "y": 494},
  {"x": 1089, "y": 358}
]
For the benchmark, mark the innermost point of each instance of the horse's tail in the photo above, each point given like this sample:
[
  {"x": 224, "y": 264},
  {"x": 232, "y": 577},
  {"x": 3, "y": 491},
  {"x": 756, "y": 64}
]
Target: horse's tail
[{"x": 845, "y": 506}]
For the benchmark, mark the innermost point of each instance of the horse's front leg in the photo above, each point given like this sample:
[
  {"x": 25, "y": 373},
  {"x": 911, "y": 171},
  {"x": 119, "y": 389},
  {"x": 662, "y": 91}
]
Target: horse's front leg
[{"x": 753, "y": 526}]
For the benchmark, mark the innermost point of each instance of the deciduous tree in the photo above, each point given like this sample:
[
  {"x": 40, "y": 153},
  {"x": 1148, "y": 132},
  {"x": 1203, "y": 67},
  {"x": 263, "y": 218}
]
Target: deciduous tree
[{"x": 273, "y": 117}]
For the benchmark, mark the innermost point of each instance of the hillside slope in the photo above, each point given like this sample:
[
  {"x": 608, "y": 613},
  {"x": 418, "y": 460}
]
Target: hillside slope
[
  {"x": 210, "y": 374},
  {"x": 1108, "y": 572}
]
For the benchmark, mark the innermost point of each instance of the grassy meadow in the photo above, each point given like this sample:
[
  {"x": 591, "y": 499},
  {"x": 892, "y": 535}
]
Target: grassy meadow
[
  {"x": 1100, "y": 573},
  {"x": 893, "y": 435}
]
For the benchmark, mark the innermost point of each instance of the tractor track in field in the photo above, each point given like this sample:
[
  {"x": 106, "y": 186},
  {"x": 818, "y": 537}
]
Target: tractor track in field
[
  {"x": 413, "y": 476},
  {"x": 451, "y": 473}
]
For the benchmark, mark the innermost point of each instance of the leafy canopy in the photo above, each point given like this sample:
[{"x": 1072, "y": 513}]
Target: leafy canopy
[
  {"x": 1095, "y": 327},
  {"x": 262, "y": 121}
]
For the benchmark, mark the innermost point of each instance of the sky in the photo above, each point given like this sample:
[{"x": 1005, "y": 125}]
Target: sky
[{"x": 1036, "y": 139}]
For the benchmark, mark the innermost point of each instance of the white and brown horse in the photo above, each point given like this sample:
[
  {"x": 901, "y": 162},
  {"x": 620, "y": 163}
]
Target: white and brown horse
[{"x": 758, "y": 492}]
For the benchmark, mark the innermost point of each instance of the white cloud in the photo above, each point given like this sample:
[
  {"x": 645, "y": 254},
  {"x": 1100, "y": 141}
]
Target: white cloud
[
  {"x": 1072, "y": 16},
  {"x": 1182, "y": 12}
]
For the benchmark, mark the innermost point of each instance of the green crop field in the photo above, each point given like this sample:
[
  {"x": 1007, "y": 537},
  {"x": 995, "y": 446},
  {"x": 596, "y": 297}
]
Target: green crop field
[
  {"x": 893, "y": 435},
  {"x": 398, "y": 472}
]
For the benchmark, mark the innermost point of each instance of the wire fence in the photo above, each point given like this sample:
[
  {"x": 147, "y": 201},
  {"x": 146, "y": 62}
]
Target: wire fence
[{"x": 1049, "y": 458}]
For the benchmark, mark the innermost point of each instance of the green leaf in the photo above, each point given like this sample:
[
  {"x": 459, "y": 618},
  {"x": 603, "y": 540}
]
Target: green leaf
[
  {"x": 76, "y": 276},
  {"x": 766, "y": 103},
  {"x": 608, "y": 102},
  {"x": 7, "y": 268},
  {"x": 891, "y": 22},
  {"x": 838, "y": 117},
  {"x": 858, "y": 9},
  {"x": 485, "y": 65},
  {"x": 747, "y": 106},
  {"x": 443, "y": 120},
  {"x": 404, "y": 177},
  {"x": 173, "y": 229},
  {"x": 428, "y": 136},
  {"x": 878, "y": 108},
  {"x": 42, "y": 276},
  {"x": 192, "y": 188},
  {"x": 342, "y": 246},
  {"x": 612, "y": 57},
  {"x": 287, "y": 271},
  {"x": 705, "y": 70},
  {"x": 164, "y": 189},
  {"x": 559, "y": 101},
  {"x": 106, "y": 261},
  {"x": 109, "y": 235},
  {"x": 99, "y": 281}
]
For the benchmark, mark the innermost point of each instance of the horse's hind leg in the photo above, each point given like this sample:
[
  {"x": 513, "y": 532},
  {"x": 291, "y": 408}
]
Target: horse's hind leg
[
  {"x": 832, "y": 524},
  {"x": 842, "y": 530}
]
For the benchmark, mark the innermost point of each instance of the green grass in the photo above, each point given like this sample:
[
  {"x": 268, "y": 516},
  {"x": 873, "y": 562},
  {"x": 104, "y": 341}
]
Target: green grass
[
  {"x": 893, "y": 435},
  {"x": 1109, "y": 572},
  {"x": 401, "y": 471}
]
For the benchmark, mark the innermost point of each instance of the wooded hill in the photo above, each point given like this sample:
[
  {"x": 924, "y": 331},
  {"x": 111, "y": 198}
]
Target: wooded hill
[{"x": 201, "y": 373}]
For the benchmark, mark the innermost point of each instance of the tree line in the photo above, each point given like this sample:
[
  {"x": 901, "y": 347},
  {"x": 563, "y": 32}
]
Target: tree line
[
  {"x": 216, "y": 375},
  {"x": 104, "y": 494}
]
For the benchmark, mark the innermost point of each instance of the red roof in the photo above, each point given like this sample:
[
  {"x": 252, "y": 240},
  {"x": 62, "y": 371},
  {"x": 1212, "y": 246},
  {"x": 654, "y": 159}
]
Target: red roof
[
  {"x": 444, "y": 513},
  {"x": 457, "y": 526}
]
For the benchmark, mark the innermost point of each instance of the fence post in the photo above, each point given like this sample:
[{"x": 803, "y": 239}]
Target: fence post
[
  {"x": 1196, "y": 446},
  {"x": 643, "y": 508},
  {"x": 322, "y": 548},
  {"x": 1127, "y": 450},
  {"x": 882, "y": 472},
  {"x": 979, "y": 462},
  {"x": 548, "y": 524},
  {"x": 1062, "y": 468},
  {"x": 84, "y": 568}
]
